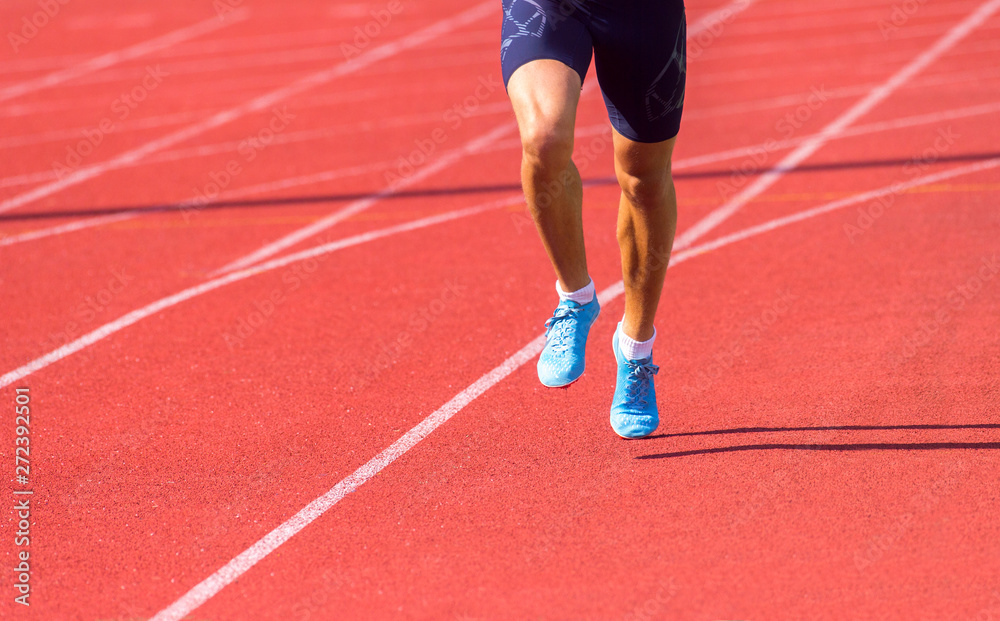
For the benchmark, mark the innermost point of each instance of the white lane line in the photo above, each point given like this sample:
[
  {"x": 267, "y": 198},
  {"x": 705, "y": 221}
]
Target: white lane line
[
  {"x": 113, "y": 58},
  {"x": 852, "y": 132},
  {"x": 204, "y": 590},
  {"x": 69, "y": 227},
  {"x": 171, "y": 155},
  {"x": 351, "y": 129},
  {"x": 324, "y": 101},
  {"x": 925, "y": 85},
  {"x": 72, "y": 133},
  {"x": 255, "y": 105},
  {"x": 253, "y": 58},
  {"x": 871, "y": 195},
  {"x": 285, "y": 41},
  {"x": 252, "y": 555},
  {"x": 230, "y": 85},
  {"x": 679, "y": 165},
  {"x": 155, "y": 307},
  {"x": 270, "y": 62},
  {"x": 459, "y": 405},
  {"x": 228, "y": 195},
  {"x": 710, "y": 20},
  {"x": 474, "y": 146},
  {"x": 793, "y": 159}
]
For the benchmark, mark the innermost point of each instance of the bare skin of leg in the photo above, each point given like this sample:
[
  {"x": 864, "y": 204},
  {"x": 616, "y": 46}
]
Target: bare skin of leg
[
  {"x": 647, "y": 222},
  {"x": 544, "y": 95}
]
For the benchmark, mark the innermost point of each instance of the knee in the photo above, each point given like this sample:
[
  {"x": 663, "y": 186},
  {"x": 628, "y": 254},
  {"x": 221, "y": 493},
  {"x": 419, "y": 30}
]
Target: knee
[
  {"x": 648, "y": 189},
  {"x": 546, "y": 145}
]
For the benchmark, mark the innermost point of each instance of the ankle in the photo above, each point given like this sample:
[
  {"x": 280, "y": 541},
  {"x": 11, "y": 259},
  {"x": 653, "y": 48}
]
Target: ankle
[
  {"x": 633, "y": 349},
  {"x": 584, "y": 295}
]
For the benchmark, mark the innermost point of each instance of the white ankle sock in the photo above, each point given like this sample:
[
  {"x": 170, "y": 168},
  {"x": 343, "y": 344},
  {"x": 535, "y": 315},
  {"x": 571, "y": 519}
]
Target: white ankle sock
[
  {"x": 633, "y": 349},
  {"x": 580, "y": 296}
]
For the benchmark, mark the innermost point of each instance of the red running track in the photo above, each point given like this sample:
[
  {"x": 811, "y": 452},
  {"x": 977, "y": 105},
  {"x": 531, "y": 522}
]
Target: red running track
[{"x": 828, "y": 380}]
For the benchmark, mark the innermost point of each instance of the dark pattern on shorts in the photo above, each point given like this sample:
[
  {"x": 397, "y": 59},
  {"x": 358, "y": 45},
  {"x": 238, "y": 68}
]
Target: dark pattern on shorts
[{"x": 639, "y": 49}]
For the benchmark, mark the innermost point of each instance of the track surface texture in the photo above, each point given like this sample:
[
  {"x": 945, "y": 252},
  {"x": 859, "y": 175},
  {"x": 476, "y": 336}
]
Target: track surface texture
[{"x": 268, "y": 278}]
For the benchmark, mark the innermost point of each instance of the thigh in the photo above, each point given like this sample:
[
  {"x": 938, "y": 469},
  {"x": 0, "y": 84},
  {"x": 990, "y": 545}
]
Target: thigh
[
  {"x": 544, "y": 94},
  {"x": 640, "y": 53},
  {"x": 543, "y": 29}
]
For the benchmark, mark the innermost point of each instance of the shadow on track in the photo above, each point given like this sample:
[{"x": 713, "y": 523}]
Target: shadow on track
[
  {"x": 456, "y": 191},
  {"x": 830, "y": 428},
  {"x": 875, "y": 446},
  {"x": 915, "y": 446}
]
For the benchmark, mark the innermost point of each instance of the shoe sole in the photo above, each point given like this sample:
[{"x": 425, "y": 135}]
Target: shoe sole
[{"x": 566, "y": 385}]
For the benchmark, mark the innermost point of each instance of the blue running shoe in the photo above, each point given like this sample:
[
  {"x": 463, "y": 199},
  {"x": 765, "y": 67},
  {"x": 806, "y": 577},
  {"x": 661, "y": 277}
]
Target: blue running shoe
[
  {"x": 562, "y": 362},
  {"x": 633, "y": 408}
]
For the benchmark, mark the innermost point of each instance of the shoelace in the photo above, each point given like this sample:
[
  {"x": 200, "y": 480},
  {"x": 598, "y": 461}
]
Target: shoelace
[
  {"x": 642, "y": 373},
  {"x": 557, "y": 330}
]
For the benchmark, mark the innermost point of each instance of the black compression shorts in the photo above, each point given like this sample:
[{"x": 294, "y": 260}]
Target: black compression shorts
[{"x": 639, "y": 49}]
